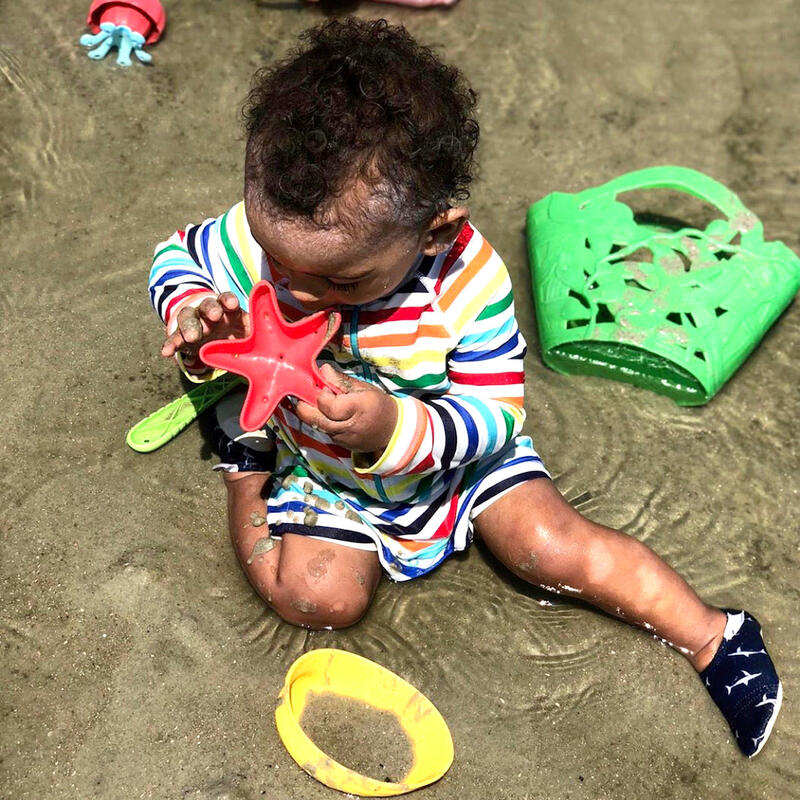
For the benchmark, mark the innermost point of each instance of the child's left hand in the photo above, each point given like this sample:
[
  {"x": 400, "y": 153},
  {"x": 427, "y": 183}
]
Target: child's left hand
[{"x": 362, "y": 418}]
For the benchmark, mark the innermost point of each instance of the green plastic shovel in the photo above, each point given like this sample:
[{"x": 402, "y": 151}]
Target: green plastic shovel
[{"x": 166, "y": 423}]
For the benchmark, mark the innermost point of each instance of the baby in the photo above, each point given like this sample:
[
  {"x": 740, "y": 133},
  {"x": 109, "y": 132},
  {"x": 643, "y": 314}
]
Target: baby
[{"x": 359, "y": 157}]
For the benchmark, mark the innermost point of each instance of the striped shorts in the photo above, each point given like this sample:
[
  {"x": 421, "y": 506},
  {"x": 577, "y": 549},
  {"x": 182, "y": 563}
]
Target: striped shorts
[{"x": 410, "y": 539}]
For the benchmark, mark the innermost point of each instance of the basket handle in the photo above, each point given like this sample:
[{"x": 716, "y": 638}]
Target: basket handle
[{"x": 679, "y": 178}]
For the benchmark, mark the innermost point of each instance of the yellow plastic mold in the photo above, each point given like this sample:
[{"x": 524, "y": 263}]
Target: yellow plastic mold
[{"x": 348, "y": 675}]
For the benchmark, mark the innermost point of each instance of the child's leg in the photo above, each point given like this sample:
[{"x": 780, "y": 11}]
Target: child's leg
[
  {"x": 308, "y": 582},
  {"x": 541, "y": 538}
]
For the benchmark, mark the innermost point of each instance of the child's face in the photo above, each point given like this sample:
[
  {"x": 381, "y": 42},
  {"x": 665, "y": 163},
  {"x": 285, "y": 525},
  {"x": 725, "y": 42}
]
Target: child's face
[{"x": 334, "y": 266}]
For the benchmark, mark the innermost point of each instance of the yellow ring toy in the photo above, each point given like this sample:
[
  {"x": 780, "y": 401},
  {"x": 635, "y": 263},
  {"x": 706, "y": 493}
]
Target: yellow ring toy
[{"x": 350, "y": 676}]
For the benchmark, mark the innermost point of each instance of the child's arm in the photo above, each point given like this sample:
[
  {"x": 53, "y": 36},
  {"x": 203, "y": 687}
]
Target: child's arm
[
  {"x": 198, "y": 286},
  {"x": 483, "y": 407},
  {"x": 176, "y": 278}
]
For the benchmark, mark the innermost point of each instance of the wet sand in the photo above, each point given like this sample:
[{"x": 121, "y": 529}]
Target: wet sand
[
  {"x": 368, "y": 741},
  {"x": 136, "y": 661}
]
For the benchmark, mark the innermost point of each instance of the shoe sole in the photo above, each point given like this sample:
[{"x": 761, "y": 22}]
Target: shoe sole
[{"x": 771, "y": 723}]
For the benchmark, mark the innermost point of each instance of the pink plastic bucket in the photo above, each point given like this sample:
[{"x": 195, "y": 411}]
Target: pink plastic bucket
[{"x": 146, "y": 17}]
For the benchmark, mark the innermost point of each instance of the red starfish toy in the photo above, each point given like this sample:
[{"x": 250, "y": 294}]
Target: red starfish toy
[{"x": 278, "y": 358}]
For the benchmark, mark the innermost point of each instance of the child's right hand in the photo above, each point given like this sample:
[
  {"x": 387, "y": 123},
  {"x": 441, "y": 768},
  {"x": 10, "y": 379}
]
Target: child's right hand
[{"x": 218, "y": 317}]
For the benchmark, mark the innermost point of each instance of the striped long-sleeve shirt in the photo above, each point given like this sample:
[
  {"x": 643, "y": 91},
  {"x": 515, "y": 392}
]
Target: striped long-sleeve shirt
[{"x": 445, "y": 344}]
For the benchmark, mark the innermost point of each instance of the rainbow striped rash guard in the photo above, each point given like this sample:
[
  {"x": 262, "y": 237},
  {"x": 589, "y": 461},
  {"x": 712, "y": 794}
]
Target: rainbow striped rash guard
[{"x": 446, "y": 346}]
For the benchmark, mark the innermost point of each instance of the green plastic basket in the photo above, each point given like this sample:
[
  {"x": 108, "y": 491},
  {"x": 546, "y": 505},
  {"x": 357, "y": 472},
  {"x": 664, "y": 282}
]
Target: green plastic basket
[{"x": 672, "y": 310}]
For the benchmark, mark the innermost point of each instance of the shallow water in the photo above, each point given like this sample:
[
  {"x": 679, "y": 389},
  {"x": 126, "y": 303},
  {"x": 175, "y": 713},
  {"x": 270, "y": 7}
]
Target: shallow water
[{"x": 137, "y": 661}]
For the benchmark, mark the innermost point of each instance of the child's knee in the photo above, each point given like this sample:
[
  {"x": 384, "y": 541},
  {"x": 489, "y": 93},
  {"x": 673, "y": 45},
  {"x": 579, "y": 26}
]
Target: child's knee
[
  {"x": 600, "y": 561},
  {"x": 545, "y": 544},
  {"x": 310, "y": 608}
]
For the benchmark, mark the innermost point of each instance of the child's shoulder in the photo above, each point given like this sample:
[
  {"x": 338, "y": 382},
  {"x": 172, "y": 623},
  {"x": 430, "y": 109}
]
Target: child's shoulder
[
  {"x": 470, "y": 258},
  {"x": 469, "y": 275}
]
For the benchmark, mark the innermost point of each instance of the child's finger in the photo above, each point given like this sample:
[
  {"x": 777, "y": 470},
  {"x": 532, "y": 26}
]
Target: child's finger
[
  {"x": 344, "y": 383},
  {"x": 171, "y": 344},
  {"x": 229, "y": 301},
  {"x": 188, "y": 334},
  {"x": 337, "y": 407},
  {"x": 189, "y": 325},
  {"x": 174, "y": 342},
  {"x": 211, "y": 309},
  {"x": 312, "y": 416}
]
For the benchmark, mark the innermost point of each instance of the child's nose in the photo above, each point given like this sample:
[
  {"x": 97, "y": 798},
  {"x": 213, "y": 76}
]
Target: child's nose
[{"x": 307, "y": 289}]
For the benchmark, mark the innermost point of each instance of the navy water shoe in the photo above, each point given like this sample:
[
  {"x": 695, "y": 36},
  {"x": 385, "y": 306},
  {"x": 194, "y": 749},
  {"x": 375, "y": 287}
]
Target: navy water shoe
[{"x": 742, "y": 681}]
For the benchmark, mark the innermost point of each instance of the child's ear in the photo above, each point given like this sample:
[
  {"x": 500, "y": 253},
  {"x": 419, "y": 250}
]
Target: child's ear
[{"x": 443, "y": 230}]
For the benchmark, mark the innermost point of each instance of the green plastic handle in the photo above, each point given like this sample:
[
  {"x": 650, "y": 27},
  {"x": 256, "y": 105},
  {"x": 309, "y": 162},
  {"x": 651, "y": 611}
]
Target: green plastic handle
[
  {"x": 166, "y": 423},
  {"x": 678, "y": 178}
]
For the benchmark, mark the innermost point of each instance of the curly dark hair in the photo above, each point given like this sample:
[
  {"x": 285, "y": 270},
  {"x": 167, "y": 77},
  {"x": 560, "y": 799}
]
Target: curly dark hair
[{"x": 360, "y": 100}]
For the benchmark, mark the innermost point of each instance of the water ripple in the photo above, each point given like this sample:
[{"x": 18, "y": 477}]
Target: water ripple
[
  {"x": 480, "y": 633},
  {"x": 39, "y": 162}
]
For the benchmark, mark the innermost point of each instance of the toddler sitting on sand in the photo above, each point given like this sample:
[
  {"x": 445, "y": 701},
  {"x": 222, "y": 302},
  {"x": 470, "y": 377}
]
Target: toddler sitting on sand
[{"x": 359, "y": 157}]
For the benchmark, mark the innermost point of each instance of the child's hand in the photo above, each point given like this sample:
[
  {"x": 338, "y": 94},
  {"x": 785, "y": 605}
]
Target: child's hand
[
  {"x": 215, "y": 318},
  {"x": 361, "y": 418}
]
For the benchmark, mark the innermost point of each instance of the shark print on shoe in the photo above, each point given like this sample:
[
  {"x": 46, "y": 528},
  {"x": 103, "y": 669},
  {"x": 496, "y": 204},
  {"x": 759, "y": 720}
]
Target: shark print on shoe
[{"x": 742, "y": 681}]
